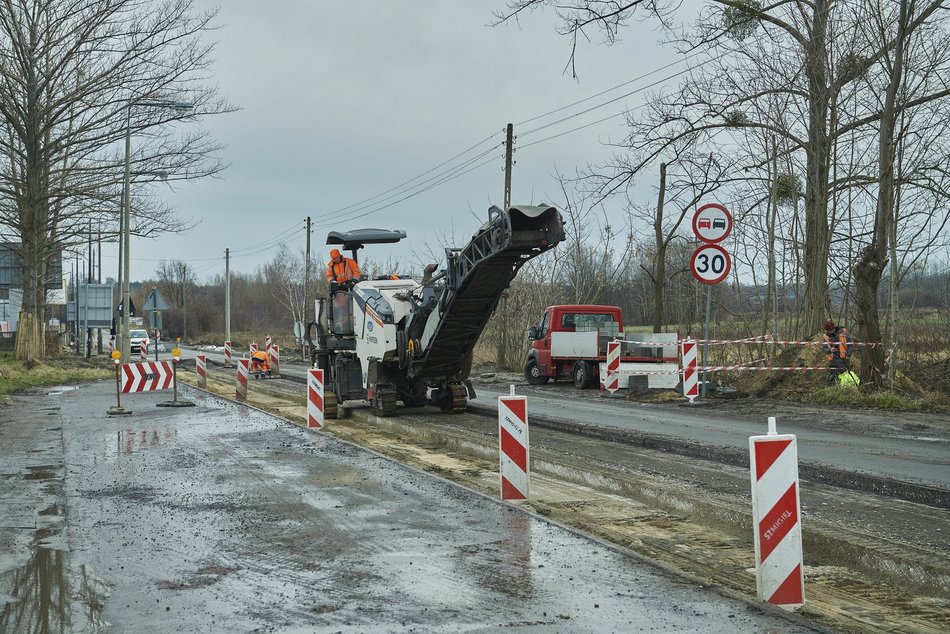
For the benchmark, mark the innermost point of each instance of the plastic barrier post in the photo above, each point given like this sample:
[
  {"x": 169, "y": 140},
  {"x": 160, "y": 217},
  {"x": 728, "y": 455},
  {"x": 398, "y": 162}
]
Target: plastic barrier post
[
  {"x": 513, "y": 447},
  {"x": 776, "y": 516},
  {"x": 240, "y": 386},
  {"x": 690, "y": 377},
  {"x": 613, "y": 366},
  {"x": 143, "y": 351},
  {"x": 201, "y": 368},
  {"x": 268, "y": 342},
  {"x": 227, "y": 354},
  {"x": 274, "y": 353},
  {"x": 253, "y": 347},
  {"x": 315, "y": 396}
]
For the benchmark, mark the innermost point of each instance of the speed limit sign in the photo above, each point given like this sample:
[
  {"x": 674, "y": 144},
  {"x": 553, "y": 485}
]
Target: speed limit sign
[{"x": 710, "y": 263}]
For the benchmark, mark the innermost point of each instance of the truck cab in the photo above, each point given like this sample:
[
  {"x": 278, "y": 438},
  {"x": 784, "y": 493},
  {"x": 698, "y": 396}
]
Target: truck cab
[{"x": 570, "y": 342}]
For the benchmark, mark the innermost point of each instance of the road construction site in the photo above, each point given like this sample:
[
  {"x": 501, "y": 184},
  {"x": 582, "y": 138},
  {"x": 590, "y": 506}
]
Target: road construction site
[{"x": 874, "y": 561}]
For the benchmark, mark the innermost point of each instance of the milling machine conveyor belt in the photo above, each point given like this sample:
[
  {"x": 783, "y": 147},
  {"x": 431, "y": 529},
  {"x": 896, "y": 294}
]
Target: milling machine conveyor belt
[{"x": 476, "y": 277}]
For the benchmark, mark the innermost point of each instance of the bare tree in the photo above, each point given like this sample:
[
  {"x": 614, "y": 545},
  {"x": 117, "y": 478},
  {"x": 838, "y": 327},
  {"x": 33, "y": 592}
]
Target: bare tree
[
  {"x": 77, "y": 76},
  {"x": 176, "y": 280}
]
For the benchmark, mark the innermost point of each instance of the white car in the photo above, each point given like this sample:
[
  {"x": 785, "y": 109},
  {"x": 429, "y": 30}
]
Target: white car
[{"x": 138, "y": 338}]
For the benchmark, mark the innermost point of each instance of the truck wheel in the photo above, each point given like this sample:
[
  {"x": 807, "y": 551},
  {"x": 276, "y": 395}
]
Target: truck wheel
[
  {"x": 532, "y": 373},
  {"x": 582, "y": 374}
]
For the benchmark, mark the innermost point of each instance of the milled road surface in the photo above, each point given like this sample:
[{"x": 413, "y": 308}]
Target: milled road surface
[{"x": 220, "y": 518}]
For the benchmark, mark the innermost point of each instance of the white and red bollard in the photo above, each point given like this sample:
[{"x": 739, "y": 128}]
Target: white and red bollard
[
  {"x": 688, "y": 350},
  {"x": 315, "y": 398},
  {"x": 201, "y": 369},
  {"x": 143, "y": 351},
  {"x": 274, "y": 354},
  {"x": 227, "y": 354},
  {"x": 253, "y": 347},
  {"x": 240, "y": 384},
  {"x": 612, "y": 382},
  {"x": 513, "y": 448},
  {"x": 776, "y": 516},
  {"x": 268, "y": 342}
]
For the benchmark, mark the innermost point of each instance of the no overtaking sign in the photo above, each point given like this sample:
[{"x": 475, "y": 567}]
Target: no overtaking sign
[{"x": 710, "y": 264}]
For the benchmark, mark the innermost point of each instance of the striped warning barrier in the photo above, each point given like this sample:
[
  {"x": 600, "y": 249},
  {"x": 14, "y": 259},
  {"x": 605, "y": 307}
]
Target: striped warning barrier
[
  {"x": 315, "y": 396},
  {"x": 274, "y": 353},
  {"x": 147, "y": 376},
  {"x": 240, "y": 384},
  {"x": 143, "y": 351},
  {"x": 776, "y": 514},
  {"x": 513, "y": 446},
  {"x": 268, "y": 342},
  {"x": 201, "y": 368},
  {"x": 690, "y": 375},
  {"x": 613, "y": 366},
  {"x": 227, "y": 354},
  {"x": 253, "y": 347}
]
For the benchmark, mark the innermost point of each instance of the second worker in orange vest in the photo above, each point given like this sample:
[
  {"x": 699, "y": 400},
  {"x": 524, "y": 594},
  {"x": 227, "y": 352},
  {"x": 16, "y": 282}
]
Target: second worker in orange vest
[{"x": 342, "y": 269}]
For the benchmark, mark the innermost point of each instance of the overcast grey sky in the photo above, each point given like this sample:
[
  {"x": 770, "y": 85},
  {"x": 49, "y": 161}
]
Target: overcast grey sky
[{"x": 341, "y": 101}]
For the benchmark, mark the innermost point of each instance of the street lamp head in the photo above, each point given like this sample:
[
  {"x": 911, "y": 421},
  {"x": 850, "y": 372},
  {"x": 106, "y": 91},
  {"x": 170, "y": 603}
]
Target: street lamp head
[{"x": 182, "y": 106}]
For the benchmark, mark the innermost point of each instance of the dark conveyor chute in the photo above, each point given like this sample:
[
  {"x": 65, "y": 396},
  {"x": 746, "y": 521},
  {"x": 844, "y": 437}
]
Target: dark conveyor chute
[{"x": 476, "y": 276}]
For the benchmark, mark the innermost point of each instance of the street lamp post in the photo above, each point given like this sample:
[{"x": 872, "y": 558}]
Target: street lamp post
[{"x": 125, "y": 342}]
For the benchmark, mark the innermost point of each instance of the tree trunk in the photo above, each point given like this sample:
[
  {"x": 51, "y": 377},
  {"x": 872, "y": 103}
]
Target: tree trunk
[
  {"x": 817, "y": 234},
  {"x": 870, "y": 267},
  {"x": 659, "y": 263}
]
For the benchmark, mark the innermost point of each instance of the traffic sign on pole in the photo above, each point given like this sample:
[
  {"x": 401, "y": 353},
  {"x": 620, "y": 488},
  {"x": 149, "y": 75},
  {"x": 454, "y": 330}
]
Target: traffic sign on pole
[
  {"x": 710, "y": 263},
  {"x": 712, "y": 223}
]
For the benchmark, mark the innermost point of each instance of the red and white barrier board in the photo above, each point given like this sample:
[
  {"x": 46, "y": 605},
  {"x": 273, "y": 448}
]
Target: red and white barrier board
[
  {"x": 253, "y": 347},
  {"x": 274, "y": 354},
  {"x": 227, "y": 354},
  {"x": 201, "y": 369},
  {"x": 315, "y": 396},
  {"x": 147, "y": 376},
  {"x": 688, "y": 350},
  {"x": 612, "y": 382},
  {"x": 776, "y": 515},
  {"x": 268, "y": 342},
  {"x": 513, "y": 446},
  {"x": 240, "y": 381}
]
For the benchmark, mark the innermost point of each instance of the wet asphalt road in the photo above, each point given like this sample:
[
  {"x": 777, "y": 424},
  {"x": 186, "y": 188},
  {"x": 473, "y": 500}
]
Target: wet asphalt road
[{"x": 219, "y": 518}]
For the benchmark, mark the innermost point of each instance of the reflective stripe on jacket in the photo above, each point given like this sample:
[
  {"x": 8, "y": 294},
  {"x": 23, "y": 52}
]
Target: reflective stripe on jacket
[
  {"x": 841, "y": 343},
  {"x": 342, "y": 271}
]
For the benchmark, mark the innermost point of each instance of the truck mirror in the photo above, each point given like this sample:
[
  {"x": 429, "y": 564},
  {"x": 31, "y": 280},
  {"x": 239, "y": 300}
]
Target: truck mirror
[{"x": 533, "y": 333}]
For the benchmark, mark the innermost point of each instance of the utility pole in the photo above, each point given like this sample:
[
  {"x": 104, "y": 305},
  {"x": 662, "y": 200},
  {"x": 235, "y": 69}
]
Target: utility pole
[
  {"x": 88, "y": 282},
  {"x": 503, "y": 333},
  {"x": 227, "y": 294},
  {"x": 306, "y": 287}
]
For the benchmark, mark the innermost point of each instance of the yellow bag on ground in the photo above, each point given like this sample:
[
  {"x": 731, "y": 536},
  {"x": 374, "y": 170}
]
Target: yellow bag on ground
[{"x": 849, "y": 379}]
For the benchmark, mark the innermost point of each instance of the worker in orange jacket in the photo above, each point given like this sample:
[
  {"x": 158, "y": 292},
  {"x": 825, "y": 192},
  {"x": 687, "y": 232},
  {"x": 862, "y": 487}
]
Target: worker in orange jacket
[
  {"x": 260, "y": 365},
  {"x": 341, "y": 269},
  {"x": 837, "y": 345}
]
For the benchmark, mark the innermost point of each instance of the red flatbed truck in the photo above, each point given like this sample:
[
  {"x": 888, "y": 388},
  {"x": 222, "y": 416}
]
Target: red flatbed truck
[{"x": 571, "y": 342}]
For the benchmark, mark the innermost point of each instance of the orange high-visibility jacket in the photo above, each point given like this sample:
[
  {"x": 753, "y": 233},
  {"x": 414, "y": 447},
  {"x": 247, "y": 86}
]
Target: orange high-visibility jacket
[
  {"x": 259, "y": 361},
  {"x": 837, "y": 346},
  {"x": 343, "y": 271}
]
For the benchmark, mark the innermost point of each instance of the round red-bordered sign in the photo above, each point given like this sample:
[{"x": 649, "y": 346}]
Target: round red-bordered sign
[
  {"x": 712, "y": 223},
  {"x": 710, "y": 263}
]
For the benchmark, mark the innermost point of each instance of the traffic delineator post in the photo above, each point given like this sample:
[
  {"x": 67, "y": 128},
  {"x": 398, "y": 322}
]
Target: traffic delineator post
[
  {"x": 315, "y": 399},
  {"x": 513, "y": 447},
  {"x": 243, "y": 372},
  {"x": 612, "y": 383},
  {"x": 227, "y": 354},
  {"x": 688, "y": 352},
  {"x": 253, "y": 347},
  {"x": 268, "y": 342},
  {"x": 143, "y": 351},
  {"x": 274, "y": 353},
  {"x": 201, "y": 369},
  {"x": 776, "y": 518},
  {"x": 117, "y": 409},
  {"x": 176, "y": 359}
]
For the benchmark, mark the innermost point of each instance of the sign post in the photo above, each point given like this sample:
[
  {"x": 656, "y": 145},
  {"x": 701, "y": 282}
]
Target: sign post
[
  {"x": 710, "y": 263},
  {"x": 117, "y": 410}
]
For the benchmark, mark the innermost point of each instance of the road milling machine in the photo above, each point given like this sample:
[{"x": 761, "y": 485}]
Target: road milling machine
[{"x": 387, "y": 340}]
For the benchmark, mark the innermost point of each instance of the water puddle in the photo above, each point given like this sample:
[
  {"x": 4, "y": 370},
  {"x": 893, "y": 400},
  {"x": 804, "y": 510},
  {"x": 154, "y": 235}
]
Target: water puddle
[
  {"x": 61, "y": 389},
  {"x": 36, "y": 596},
  {"x": 131, "y": 440}
]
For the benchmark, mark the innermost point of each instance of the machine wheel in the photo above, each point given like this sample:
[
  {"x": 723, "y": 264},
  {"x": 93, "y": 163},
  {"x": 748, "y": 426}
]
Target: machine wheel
[
  {"x": 329, "y": 404},
  {"x": 413, "y": 395},
  {"x": 450, "y": 397},
  {"x": 532, "y": 373},
  {"x": 582, "y": 374},
  {"x": 384, "y": 402}
]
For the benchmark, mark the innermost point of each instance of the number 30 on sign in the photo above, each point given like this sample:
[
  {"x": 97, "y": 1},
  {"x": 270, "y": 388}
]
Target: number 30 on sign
[{"x": 710, "y": 264}]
